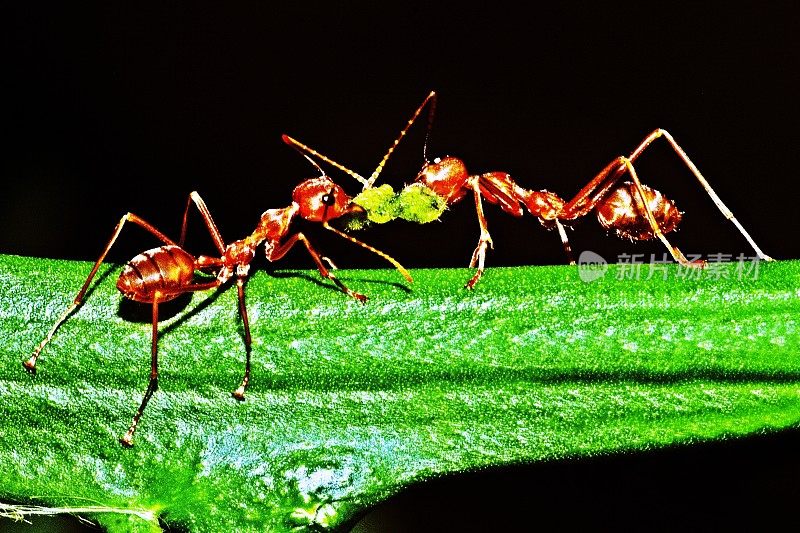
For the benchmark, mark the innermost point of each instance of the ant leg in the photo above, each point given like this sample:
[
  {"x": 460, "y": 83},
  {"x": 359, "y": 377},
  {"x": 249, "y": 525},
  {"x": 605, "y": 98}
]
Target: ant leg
[
  {"x": 593, "y": 192},
  {"x": 152, "y": 385},
  {"x": 206, "y": 214},
  {"x": 240, "y": 281},
  {"x": 127, "y": 439},
  {"x": 479, "y": 255},
  {"x": 676, "y": 253},
  {"x": 30, "y": 363},
  {"x": 716, "y": 199},
  {"x": 281, "y": 250},
  {"x": 239, "y": 393},
  {"x": 565, "y": 241},
  {"x": 587, "y": 198}
]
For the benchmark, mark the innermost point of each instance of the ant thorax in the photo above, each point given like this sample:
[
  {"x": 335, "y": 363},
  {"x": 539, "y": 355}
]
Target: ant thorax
[
  {"x": 274, "y": 225},
  {"x": 237, "y": 258}
]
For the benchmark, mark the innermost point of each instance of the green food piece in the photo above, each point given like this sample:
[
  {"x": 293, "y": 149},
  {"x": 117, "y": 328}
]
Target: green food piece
[
  {"x": 350, "y": 403},
  {"x": 379, "y": 203},
  {"x": 353, "y": 221},
  {"x": 417, "y": 203}
]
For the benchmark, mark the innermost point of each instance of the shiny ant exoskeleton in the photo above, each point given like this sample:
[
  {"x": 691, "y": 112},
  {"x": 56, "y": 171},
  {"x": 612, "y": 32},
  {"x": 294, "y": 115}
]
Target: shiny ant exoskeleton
[
  {"x": 629, "y": 209},
  {"x": 164, "y": 273}
]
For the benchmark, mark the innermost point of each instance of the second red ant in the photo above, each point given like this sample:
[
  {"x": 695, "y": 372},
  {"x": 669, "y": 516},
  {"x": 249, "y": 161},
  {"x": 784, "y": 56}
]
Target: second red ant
[
  {"x": 630, "y": 209},
  {"x": 164, "y": 273}
]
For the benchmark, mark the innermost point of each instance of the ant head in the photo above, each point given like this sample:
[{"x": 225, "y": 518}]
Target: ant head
[
  {"x": 320, "y": 199},
  {"x": 446, "y": 177}
]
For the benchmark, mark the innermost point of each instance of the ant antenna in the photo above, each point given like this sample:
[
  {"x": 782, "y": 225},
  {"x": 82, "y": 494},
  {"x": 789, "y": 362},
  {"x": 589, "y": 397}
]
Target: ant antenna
[
  {"x": 431, "y": 112},
  {"x": 310, "y": 160},
  {"x": 305, "y": 150},
  {"x": 374, "y": 250},
  {"x": 430, "y": 98},
  {"x": 321, "y": 172}
]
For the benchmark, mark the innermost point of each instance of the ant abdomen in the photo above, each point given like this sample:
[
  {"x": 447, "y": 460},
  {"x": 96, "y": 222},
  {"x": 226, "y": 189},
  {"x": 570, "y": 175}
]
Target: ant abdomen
[
  {"x": 623, "y": 212},
  {"x": 167, "y": 269}
]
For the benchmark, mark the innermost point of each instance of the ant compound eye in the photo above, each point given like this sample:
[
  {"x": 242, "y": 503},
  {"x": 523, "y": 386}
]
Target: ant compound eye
[
  {"x": 328, "y": 199},
  {"x": 319, "y": 200}
]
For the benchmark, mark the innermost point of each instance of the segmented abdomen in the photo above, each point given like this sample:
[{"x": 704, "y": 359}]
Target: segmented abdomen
[
  {"x": 623, "y": 212},
  {"x": 165, "y": 269}
]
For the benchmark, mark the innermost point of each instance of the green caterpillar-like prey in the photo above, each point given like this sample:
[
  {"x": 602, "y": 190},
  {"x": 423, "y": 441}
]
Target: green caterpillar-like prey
[{"x": 415, "y": 203}]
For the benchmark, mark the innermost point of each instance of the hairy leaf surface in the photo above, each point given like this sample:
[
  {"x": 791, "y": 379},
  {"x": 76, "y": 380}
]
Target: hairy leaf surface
[{"x": 350, "y": 403}]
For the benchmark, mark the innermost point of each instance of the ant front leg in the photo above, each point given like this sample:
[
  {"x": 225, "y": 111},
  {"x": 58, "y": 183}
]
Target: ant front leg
[
  {"x": 479, "y": 255},
  {"x": 30, "y": 363},
  {"x": 282, "y": 250}
]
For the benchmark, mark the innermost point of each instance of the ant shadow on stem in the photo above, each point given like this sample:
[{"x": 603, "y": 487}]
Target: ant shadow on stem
[
  {"x": 101, "y": 278},
  {"x": 287, "y": 274},
  {"x": 137, "y": 312},
  {"x": 131, "y": 311}
]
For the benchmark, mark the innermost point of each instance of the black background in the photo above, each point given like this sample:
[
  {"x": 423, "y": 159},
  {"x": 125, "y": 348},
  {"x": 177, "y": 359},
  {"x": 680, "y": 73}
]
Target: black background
[{"x": 108, "y": 109}]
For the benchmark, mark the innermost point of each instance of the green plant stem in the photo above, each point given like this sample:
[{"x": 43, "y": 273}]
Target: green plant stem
[{"x": 350, "y": 403}]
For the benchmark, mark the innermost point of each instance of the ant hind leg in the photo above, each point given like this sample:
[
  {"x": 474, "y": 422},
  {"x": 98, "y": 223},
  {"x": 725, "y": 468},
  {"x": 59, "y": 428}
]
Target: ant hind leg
[{"x": 30, "y": 363}]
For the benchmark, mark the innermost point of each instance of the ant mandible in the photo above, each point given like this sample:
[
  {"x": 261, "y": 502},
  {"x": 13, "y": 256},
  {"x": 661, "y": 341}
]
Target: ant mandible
[
  {"x": 164, "y": 273},
  {"x": 632, "y": 210}
]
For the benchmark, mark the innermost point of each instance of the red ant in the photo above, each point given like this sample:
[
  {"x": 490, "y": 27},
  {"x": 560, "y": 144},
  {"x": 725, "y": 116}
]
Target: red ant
[
  {"x": 164, "y": 273},
  {"x": 632, "y": 210}
]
